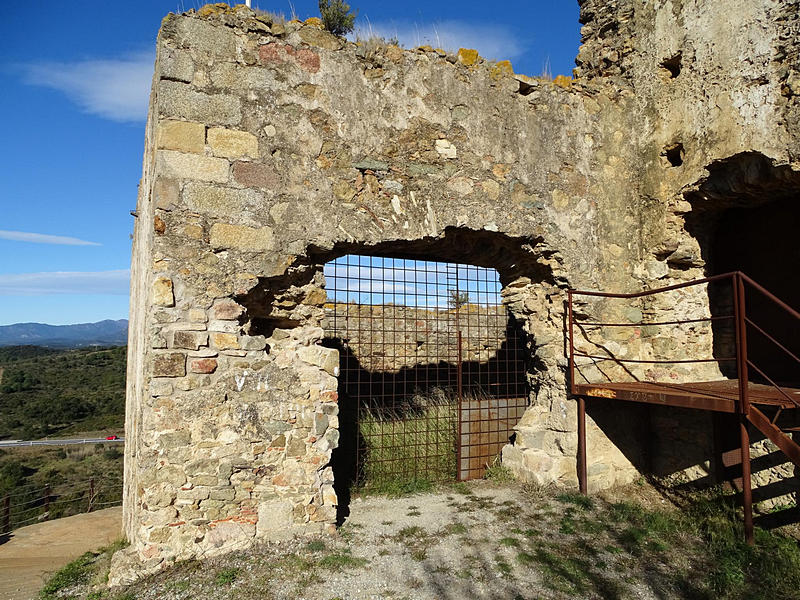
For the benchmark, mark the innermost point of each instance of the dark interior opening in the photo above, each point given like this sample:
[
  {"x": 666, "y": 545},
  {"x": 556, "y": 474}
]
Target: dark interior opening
[
  {"x": 746, "y": 216},
  {"x": 672, "y": 65},
  {"x": 674, "y": 154},
  {"x": 762, "y": 243}
]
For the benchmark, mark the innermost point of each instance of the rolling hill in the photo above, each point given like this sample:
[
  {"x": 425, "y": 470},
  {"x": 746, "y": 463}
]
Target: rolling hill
[{"x": 103, "y": 333}]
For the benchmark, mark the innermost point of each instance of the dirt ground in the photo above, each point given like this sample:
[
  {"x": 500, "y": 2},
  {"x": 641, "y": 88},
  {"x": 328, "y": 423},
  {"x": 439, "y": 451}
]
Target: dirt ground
[
  {"x": 476, "y": 541},
  {"x": 36, "y": 551}
]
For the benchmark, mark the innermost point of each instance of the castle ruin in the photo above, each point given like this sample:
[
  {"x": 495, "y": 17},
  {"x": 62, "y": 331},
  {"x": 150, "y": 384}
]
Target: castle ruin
[{"x": 275, "y": 148}]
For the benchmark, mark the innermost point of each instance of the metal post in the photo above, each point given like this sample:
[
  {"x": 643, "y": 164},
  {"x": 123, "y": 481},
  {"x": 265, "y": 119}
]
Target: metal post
[
  {"x": 46, "y": 502},
  {"x": 571, "y": 343},
  {"x": 91, "y": 494},
  {"x": 7, "y": 514},
  {"x": 747, "y": 491},
  {"x": 582, "y": 480},
  {"x": 459, "y": 396},
  {"x": 740, "y": 312}
]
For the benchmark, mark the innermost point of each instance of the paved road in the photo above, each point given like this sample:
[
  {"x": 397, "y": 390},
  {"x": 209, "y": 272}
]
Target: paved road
[
  {"x": 15, "y": 443},
  {"x": 36, "y": 551}
]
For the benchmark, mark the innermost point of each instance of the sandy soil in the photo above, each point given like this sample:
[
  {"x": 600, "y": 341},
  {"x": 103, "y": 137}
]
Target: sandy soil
[{"x": 36, "y": 551}]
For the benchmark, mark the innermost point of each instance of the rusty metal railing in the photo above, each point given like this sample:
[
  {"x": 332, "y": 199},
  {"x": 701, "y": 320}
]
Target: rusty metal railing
[{"x": 744, "y": 324}]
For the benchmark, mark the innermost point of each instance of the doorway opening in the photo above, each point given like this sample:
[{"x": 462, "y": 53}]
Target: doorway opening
[{"x": 432, "y": 374}]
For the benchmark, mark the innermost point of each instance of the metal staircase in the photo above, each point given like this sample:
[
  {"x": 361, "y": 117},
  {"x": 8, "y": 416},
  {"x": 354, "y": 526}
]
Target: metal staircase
[{"x": 764, "y": 405}]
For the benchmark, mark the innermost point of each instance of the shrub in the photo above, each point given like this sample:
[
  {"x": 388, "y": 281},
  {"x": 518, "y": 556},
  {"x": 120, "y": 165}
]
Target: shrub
[{"x": 337, "y": 17}]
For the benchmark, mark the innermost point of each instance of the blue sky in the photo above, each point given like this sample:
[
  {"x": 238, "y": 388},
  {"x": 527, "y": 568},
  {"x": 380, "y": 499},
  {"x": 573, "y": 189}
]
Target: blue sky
[{"x": 75, "y": 78}]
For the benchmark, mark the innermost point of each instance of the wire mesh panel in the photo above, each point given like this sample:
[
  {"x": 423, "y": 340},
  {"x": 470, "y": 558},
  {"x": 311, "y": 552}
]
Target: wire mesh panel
[{"x": 432, "y": 373}]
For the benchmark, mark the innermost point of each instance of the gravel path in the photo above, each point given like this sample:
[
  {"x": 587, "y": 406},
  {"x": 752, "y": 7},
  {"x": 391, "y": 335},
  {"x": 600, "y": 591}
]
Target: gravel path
[
  {"x": 35, "y": 551},
  {"x": 481, "y": 541}
]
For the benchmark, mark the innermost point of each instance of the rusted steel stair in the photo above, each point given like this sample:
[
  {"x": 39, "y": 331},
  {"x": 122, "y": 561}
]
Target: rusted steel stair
[
  {"x": 775, "y": 434},
  {"x": 752, "y": 402}
]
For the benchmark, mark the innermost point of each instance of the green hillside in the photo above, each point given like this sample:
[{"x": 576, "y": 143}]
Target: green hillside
[{"x": 47, "y": 392}]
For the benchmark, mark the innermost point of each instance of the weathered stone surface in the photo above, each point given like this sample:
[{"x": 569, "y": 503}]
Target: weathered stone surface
[
  {"x": 166, "y": 193},
  {"x": 232, "y": 143},
  {"x": 203, "y": 365},
  {"x": 169, "y": 365},
  {"x": 227, "y": 310},
  {"x": 316, "y": 37},
  {"x": 241, "y": 237},
  {"x": 254, "y": 174},
  {"x": 163, "y": 294},
  {"x": 189, "y": 340},
  {"x": 468, "y": 56},
  {"x": 276, "y": 53},
  {"x": 217, "y": 200},
  {"x": 183, "y": 136},
  {"x": 180, "y": 100},
  {"x": 177, "y": 165},
  {"x": 224, "y": 341}
]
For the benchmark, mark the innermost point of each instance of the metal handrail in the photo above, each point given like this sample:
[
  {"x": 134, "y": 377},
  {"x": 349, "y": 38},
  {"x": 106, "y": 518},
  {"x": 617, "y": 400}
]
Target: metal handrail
[{"x": 740, "y": 318}]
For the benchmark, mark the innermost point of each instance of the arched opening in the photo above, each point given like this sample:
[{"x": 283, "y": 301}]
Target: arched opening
[
  {"x": 432, "y": 374},
  {"x": 746, "y": 216}
]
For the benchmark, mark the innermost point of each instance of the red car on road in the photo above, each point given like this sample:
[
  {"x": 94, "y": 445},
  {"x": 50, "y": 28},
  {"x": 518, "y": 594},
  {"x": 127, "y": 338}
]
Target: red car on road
[{"x": 112, "y": 437}]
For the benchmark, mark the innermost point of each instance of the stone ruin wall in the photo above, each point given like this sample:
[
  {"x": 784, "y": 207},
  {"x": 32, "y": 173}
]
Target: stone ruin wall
[
  {"x": 416, "y": 336},
  {"x": 273, "y": 148}
]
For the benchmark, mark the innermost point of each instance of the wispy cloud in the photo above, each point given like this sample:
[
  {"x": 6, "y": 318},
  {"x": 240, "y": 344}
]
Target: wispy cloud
[
  {"x": 65, "y": 282},
  {"x": 115, "y": 89},
  {"x": 495, "y": 42},
  {"x": 40, "y": 238}
]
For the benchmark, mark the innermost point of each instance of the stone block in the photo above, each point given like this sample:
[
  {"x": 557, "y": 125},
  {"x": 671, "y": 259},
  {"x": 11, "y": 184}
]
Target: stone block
[
  {"x": 189, "y": 340},
  {"x": 231, "y": 143},
  {"x": 224, "y": 326},
  {"x": 467, "y": 56},
  {"x": 253, "y": 342},
  {"x": 276, "y": 53},
  {"x": 325, "y": 358},
  {"x": 316, "y": 37},
  {"x": 240, "y": 237},
  {"x": 216, "y": 200},
  {"x": 203, "y": 365},
  {"x": 227, "y": 310},
  {"x": 166, "y": 193},
  {"x": 446, "y": 149},
  {"x": 205, "y": 37},
  {"x": 225, "y": 341},
  {"x": 198, "y": 315},
  {"x": 254, "y": 174},
  {"x": 178, "y": 165},
  {"x": 502, "y": 69},
  {"x": 180, "y": 100},
  {"x": 176, "y": 65},
  {"x": 183, "y": 136},
  {"x": 274, "y": 518},
  {"x": 169, "y": 365},
  {"x": 163, "y": 294}
]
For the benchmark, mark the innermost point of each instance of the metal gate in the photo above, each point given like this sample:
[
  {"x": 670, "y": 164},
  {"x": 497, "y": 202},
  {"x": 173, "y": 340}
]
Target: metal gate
[{"x": 432, "y": 369}]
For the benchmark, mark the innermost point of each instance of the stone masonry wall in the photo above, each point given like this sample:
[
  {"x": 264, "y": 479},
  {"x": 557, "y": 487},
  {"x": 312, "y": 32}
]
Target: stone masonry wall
[{"x": 273, "y": 148}]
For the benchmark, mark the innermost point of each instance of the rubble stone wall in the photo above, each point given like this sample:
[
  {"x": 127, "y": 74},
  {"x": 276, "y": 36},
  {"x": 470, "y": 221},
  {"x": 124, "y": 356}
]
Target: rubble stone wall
[{"x": 273, "y": 148}]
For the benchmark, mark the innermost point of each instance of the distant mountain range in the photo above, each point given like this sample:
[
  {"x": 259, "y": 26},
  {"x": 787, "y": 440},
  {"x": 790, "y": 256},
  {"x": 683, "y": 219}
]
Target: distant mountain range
[{"x": 103, "y": 333}]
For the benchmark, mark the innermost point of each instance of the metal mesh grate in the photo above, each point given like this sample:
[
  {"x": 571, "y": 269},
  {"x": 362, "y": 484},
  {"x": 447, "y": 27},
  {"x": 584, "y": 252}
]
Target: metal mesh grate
[{"x": 432, "y": 370}]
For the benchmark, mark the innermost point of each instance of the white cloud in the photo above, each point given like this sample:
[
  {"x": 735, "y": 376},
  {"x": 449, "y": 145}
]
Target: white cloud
[
  {"x": 495, "y": 42},
  {"x": 116, "y": 89},
  {"x": 40, "y": 238},
  {"x": 65, "y": 282}
]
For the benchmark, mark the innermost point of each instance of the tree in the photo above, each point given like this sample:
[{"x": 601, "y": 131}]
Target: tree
[
  {"x": 457, "y": 299},
  {"x": 337, "y": 17}
]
